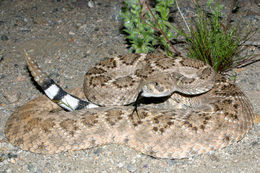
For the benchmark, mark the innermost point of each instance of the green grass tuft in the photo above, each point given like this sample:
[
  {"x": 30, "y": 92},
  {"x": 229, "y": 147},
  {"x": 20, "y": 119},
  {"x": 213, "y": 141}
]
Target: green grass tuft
[
  {"x": 207, "y": 38},
  {"x": 212, "y": 42}
]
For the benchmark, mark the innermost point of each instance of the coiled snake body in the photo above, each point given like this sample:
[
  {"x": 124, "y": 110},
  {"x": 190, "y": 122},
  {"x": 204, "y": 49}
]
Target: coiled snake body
[{"x": 200, "y": 111}]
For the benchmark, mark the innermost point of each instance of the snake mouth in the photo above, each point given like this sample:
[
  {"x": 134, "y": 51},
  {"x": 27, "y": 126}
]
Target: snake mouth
[
  {"x": 155, "y": 90},
  {"x": 152, "y": 94}
]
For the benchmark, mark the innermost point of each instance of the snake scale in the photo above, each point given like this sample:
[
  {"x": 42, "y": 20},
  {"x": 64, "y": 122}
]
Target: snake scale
[{"x": 192, "y": 110}]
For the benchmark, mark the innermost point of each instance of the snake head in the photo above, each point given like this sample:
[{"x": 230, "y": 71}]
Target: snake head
[{"x": 158, "y": 85}]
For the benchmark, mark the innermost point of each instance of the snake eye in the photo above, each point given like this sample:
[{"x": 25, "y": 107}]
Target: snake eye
[{"x": 156, "y": 83}]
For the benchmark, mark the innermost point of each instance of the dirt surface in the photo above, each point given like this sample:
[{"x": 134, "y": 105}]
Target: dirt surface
[{"x": 66, "y": 39}]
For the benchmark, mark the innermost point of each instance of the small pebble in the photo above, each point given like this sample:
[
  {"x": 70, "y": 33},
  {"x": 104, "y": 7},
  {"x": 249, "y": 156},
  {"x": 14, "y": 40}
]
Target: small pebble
[
  {"x": 98, "y": 151},
  {"x": 214, "y": 158},
  {"x": 12, "y": 97},
  {"x": 9, "y": 155},
  {"x": 131, "y": 168},
  {"x": 145, "y": 166},
  {"x": 255, "y": 143},
  {"x": 21, "y": 78},
  {"x": 30, "y": 167},
  {"x": 7, "y": 171},
  {"x": 25, "y": 19},
  {"x": 55, "y": 10},
  {"x": 38, "y": 171},
  {"x": 91, "y": 4},
  {"x": 2, "y": 158},
  {"x": 71, "y": 33},
  {"x": 251, "y": 18},
  {"x": 12, "y": 160},
  {"x": 4, "y": 38},
  {"x": 83, "y": 27},
  {"x": 120, "y": 165}
]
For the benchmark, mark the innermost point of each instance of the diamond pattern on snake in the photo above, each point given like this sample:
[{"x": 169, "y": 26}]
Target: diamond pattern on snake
[{"x": 183, "y": 109}]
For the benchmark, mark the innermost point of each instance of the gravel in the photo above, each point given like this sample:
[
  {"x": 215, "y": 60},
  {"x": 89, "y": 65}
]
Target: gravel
[{"x": 68, "y": 37}]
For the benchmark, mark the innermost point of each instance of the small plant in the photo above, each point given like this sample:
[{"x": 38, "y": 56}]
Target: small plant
[
  {"x": 143, "y": 32},
  {"x": 207, "y": 38},
  {"x": 211, "y": 41}
]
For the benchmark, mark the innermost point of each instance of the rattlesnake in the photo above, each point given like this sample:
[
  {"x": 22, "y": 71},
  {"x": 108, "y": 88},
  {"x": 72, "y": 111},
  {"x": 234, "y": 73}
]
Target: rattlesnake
[{"x": 196, "y": 110}]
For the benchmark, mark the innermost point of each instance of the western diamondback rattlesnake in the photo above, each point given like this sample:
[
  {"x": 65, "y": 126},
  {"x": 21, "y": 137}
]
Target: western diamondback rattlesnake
[{"x": 201, "y": 111}]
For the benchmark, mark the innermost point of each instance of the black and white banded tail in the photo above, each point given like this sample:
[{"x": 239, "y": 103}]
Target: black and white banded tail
[{"x": 54, "y": 91}]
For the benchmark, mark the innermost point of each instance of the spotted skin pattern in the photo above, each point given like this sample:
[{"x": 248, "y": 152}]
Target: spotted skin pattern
[{"x": 190, "y": 121}]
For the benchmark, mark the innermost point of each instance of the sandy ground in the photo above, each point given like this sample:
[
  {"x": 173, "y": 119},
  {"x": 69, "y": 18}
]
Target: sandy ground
[{"x": 67, "y": 38}]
